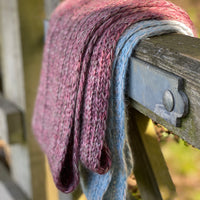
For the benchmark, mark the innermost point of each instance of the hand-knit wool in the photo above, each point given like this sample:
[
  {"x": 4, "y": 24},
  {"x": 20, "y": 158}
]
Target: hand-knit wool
[
  {"x": 79, "y": 109},
  {"x": 112, "y": 186}
]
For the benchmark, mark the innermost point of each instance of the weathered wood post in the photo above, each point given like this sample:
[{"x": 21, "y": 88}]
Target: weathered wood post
[
  {"x": 172, "y": 60},
  {"x": 12, "y": 100},
  {"x": 21, "y": 70}
]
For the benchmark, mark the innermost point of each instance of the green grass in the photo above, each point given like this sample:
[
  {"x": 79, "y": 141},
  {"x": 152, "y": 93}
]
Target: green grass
[{"x": 184, "y": 166}]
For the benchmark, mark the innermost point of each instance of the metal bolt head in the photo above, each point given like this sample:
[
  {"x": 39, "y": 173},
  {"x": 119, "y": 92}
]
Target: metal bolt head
[{"x": 168, "y": 100}]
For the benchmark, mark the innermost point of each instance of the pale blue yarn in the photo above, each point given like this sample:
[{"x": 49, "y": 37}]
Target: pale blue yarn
[{"x": 112, "y": 185}]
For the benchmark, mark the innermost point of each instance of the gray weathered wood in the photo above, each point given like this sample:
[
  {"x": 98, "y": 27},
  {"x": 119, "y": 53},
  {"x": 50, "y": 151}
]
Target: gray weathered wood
[
  {"x": 151, "y": 172},
  {"x": 5, "y": 195},
  {"x": 145, "y": 178},
  {"x": 180, "y": 55},
  {"x": 12, "y": 65},
  {"x": 20, "y": 167},
  {"x": 8, "y": 188}
]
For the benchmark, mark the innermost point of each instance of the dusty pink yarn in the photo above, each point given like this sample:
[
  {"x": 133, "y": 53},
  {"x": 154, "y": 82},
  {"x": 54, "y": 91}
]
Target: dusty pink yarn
[{"x": 70, "y": 112}]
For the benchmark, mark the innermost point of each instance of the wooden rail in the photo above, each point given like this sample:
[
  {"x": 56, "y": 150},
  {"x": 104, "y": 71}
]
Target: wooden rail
[
  {"x": 180, "y": 55},
  {"x": 8, "y": 189},
  {"x": 12, "y": 98},
  {"x": 177, "y": 54}
]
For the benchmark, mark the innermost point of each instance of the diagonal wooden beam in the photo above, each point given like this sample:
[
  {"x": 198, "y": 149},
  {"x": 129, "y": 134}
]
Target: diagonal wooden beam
[
  {"x": 180, "y": 55},
  {"x": 150, "y": 169}
]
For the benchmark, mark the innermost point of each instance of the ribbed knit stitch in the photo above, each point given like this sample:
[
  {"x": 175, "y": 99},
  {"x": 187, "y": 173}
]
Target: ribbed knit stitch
[
  {"x": 79, "y": 110},
  {"x": 112, "y": 186}
]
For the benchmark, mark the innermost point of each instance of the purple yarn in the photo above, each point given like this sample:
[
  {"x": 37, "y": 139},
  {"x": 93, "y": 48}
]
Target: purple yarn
[{"x": 72, "y": 102}]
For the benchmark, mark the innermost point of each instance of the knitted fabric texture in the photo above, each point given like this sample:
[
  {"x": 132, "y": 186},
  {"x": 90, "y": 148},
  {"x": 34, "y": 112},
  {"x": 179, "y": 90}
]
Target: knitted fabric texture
[
  {"x": 79, "y": 110},
  {"x": 112, "y": 186}
]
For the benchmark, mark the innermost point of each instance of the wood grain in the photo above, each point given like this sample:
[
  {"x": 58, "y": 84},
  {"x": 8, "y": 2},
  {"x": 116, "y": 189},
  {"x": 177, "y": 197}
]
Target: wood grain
[
  {"x": 150, "y": 169},
  {"x": 179, "y": 55},
  {"x": 12, "y": 106}
]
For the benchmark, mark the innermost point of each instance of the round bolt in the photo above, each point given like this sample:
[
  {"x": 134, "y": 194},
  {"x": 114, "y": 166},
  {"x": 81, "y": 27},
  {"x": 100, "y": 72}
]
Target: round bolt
[{"x": 168, "y": 100}]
